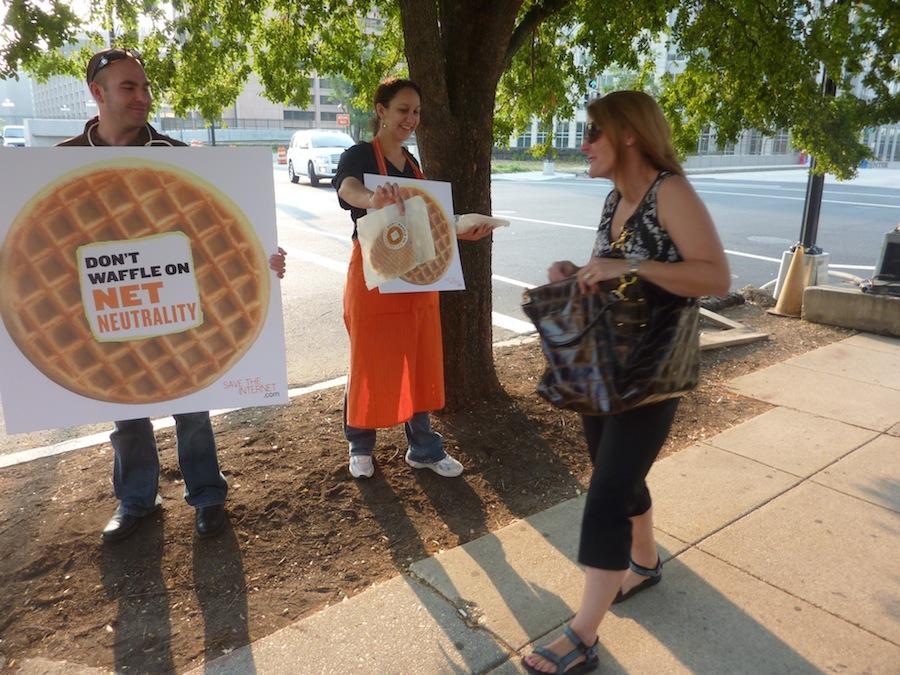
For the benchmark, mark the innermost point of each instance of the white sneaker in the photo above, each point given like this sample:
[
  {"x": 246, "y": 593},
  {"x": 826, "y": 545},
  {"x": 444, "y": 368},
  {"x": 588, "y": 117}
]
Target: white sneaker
[
  {"x": 447, "y": 467},
  {"x": 361, "y": 466}
]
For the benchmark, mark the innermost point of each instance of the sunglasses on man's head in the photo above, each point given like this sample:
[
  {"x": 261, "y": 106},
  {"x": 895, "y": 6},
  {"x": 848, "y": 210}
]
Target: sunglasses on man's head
[
  {"x": 592, "y": 133},
  {"x": 111, "y": 57}
]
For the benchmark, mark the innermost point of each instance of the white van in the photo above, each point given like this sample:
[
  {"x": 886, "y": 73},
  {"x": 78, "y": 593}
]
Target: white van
[
  {"x": 13, "y": 136},
  {"x": 315, "y": 153}
]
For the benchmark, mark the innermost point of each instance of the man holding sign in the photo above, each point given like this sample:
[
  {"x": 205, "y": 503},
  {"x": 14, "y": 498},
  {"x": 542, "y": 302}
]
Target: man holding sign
[{"x": 119, "y": 86}]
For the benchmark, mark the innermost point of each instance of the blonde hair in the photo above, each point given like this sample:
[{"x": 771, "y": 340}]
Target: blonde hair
[{"x": 640, "y": 114}]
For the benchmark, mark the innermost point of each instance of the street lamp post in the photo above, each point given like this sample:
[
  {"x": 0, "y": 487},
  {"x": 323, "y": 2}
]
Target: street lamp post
[
  {"x": 815, "y": 260},
  {"x": 814, "y": 187}
]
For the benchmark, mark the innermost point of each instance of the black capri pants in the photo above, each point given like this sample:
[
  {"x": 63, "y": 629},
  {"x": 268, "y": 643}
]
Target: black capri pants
[{"x": 622, "y": 447}]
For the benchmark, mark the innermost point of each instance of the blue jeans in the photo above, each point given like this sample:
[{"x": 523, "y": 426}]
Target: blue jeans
[
  {"x": 425, "y": 444},
  {"x": 136, "y": 464}
]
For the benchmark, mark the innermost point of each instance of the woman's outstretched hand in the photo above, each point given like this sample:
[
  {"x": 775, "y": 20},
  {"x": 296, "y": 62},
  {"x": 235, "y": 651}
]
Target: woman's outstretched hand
[
  {"x": 476, "y": 233},
  {"x": 561, "y": 269},
  {"x": 389, "y": 193},
  {"x": 600, "y": 269}
]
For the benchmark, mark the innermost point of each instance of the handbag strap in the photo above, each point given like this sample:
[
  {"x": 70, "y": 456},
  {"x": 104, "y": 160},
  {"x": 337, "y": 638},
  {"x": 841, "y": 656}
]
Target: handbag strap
[{"x": 612, "y": 297}]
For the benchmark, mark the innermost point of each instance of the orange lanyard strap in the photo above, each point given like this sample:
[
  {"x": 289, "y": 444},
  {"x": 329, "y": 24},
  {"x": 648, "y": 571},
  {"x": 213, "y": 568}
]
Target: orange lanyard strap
[
  {"x": 379, "y": 157},
  {"x": 382, "y": 165}
]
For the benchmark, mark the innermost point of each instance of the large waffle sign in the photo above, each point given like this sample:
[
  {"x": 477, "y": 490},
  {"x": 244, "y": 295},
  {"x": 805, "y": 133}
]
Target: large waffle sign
[{"x": 138, "y": 282}]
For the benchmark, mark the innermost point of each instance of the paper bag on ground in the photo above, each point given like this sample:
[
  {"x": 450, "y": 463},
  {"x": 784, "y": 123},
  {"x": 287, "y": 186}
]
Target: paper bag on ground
[
  {"x": 467, "y": 221},
  {"x": 393, "y": 244}
]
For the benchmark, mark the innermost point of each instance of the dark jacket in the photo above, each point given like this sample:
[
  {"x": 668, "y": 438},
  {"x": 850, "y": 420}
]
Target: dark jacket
[{"x": 148, "y": 136}]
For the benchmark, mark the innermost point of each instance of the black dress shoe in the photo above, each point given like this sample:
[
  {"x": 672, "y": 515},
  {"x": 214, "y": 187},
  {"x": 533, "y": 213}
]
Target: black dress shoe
[
  {"x": 210, "y": 520},
  {"x": 121, "y": 525}
]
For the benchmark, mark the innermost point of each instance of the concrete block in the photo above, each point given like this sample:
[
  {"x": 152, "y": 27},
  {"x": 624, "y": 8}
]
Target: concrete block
[
  {"x": 854, "y": 363},
  {"x": 521, "y": 581},
  {"x": 397, "y": 628},
  {"x": 871, "y": 473},
  {"x": 851, "y": 308},
  {"x": 701, "y": 488},
  {"x": 827, "y": 548},
  {"x": 792, "y": 441},
  {"x": 839, "y": 398}
]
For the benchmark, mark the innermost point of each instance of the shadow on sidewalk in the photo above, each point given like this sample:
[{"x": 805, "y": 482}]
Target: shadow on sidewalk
[
  {"x": 701, "y": 630},
  {"x": 462, "y": 511},
  {"x": 883, "y": 491},
  {"x": 406, "y": 545},
  {"x": 454, "y": 507}
]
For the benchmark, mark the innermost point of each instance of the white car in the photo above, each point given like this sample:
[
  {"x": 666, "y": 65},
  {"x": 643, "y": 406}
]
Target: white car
[
  {"x": 315, "y": 153},
  {"x": 14, "y": 136}
]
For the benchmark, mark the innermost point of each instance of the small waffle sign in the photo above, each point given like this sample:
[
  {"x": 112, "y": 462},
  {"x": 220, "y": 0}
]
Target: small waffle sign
[
  {"x": 139, "y": 288},
  {"x": 441, "y": 271}
]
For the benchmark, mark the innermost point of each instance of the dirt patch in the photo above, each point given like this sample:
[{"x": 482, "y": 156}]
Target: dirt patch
[{"x": 303, "y": 534}]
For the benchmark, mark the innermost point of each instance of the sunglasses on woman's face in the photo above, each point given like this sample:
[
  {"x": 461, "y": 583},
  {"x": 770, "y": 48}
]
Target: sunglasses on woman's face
[
  {"x": 592, "y": 133},
  {"x": 111, "y": 57}
]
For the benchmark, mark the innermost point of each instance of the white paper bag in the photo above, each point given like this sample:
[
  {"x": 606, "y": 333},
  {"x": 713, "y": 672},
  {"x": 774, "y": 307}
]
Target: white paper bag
[
  {"x": 467, "y": 221},
  {"x": 392, "y": 244}
]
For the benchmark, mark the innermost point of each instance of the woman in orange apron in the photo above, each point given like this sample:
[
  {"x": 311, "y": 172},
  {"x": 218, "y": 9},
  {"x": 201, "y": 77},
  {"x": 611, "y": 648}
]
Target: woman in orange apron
[{"x": 396, "y": 354}]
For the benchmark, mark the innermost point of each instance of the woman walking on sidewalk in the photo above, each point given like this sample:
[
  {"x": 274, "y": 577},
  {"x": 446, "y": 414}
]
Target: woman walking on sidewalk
[
  {"x": 396, "y": 353},
  {"x": 653, "y": 226}
]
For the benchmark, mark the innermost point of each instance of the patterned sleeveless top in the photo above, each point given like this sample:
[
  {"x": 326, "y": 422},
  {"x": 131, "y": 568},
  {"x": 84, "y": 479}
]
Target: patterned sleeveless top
[{"x": 642, "y": 236}]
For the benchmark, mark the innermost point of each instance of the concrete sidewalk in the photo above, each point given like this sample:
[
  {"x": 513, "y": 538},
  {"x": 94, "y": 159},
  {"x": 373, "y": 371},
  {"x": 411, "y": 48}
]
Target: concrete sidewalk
[{"x": 781, "y": 538}]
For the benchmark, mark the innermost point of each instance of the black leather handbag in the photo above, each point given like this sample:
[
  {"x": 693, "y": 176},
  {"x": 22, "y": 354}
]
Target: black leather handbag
[{"x": 629, "y": 344}]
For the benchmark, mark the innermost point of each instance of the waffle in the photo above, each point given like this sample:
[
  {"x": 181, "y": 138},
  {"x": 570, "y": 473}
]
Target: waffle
[
  {"x": 444, "y": 242},
  {"x": 127, "y": 199},
  {"x": 392, "y": 252}
]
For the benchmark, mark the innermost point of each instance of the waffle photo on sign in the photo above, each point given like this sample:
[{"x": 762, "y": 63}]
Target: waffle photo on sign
[{"x": 136, "y": 283}]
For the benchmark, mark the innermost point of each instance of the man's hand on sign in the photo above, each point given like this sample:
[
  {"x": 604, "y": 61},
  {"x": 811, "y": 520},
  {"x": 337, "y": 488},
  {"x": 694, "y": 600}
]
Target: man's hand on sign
[{"x": 277, "y": 262}]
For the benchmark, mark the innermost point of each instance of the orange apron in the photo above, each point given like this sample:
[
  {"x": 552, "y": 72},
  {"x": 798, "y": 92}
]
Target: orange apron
[{"x": 396, "y": 348}]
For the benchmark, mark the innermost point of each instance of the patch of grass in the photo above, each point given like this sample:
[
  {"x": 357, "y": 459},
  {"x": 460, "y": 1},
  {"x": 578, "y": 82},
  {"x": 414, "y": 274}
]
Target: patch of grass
[
  {"x": 522, "y": 165},
  {"x": 511, "y": 166}
]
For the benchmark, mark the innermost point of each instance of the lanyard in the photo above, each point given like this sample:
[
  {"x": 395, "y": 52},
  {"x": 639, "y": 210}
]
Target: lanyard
[{"x": 382, "y": 165}]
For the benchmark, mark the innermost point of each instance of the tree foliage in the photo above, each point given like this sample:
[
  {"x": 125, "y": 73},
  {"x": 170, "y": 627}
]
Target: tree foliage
[
  {"x": 750, "y": 63},
  {"x": 758, "y": 63},
  {"x": 486, "y": 66}
]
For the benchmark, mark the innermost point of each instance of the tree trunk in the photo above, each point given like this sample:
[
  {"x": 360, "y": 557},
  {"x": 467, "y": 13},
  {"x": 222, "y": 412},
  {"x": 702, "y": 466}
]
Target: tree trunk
[{"x": 459, "y": 83}]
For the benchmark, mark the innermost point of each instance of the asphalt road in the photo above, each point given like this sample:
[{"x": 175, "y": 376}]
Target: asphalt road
[{"x": 758, "y": 215}]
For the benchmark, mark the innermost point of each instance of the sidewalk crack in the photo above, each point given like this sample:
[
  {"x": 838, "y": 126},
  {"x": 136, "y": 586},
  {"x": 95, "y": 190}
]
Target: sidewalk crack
[{"x": 470, "y": 614}]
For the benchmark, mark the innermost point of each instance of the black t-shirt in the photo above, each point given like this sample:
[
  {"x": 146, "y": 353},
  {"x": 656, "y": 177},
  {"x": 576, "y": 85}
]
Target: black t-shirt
[{"x": 358, "y": 160}]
